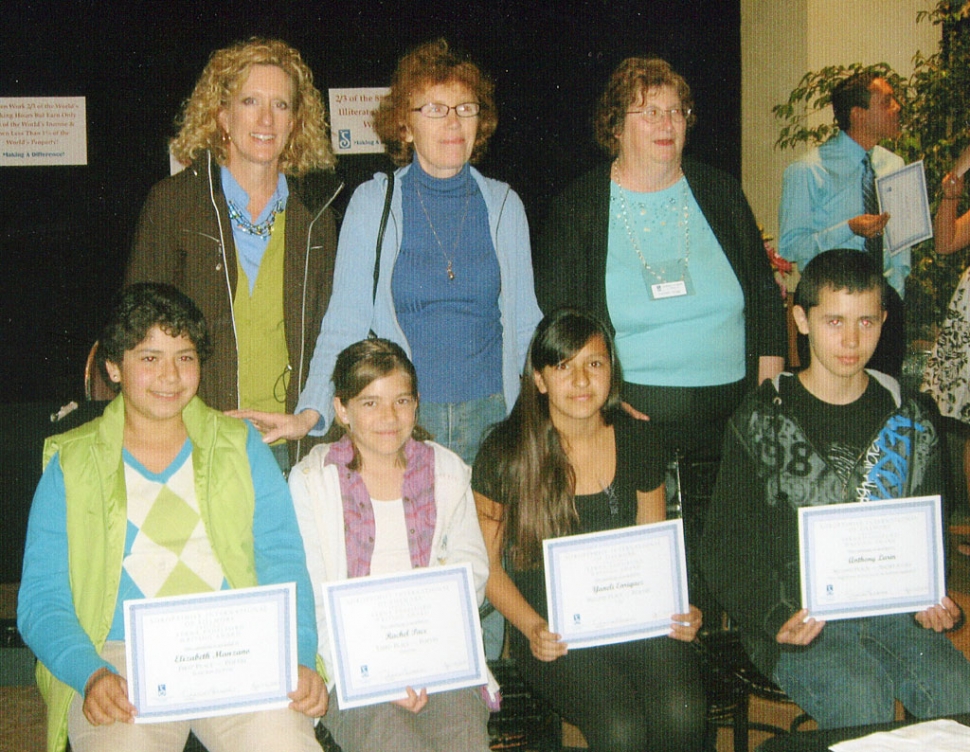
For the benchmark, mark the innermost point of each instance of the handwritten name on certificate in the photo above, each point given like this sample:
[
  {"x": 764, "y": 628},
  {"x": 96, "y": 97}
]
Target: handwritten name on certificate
[
  {"x": 617, "y": 585},
  {"x": 209, "y": 654},
  {"x": 871, "y": 558},
  {"x": 416, "y": 629}
]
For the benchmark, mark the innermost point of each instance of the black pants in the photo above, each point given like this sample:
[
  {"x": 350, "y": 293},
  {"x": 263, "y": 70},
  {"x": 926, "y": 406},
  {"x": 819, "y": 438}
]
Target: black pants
[{"x": 633, "y": 697}]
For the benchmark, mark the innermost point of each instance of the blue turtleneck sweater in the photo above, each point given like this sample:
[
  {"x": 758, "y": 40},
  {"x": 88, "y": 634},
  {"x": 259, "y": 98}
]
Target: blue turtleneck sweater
[{"x": 453, "y": 326}]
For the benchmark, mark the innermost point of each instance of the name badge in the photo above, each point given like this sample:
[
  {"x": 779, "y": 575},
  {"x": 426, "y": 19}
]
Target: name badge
[
  {"x": 668, "y": 279},
  {"x": 663, "y": 290}
]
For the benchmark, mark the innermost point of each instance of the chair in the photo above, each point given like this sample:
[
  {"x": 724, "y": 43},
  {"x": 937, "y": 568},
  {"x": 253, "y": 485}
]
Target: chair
[
  {"x": 729, "y": 675},
  {"x": 524, "y": 722},
  {"x": 95, "y": 387}
]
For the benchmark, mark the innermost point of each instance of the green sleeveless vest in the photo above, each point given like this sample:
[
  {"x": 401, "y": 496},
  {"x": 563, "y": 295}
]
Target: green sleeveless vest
[{"x": 94, "y": 481}]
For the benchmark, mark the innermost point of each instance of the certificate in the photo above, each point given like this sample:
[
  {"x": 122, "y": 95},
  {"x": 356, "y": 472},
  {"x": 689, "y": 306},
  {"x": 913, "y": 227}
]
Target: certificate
[
  {"x": 903, "y": 195},
  {"x": 416, "y": 629},
  {"x": 209, "y": 654},
  {"x": 617, "y": 585},
  {"x": 871, "y": 558}
]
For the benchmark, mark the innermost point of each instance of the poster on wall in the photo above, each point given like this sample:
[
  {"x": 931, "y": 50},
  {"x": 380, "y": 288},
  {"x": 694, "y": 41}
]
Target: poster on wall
[
  {"x": 352, "y": 120},
  {"x": 43, "y": 131}
]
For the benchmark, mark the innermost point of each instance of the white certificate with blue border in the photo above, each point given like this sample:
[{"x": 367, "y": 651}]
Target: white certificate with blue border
[
  {"x": 210, "y": 654},
  {"x": 617, "y": 585},
  {"x": 415, "y": 629},
  {"x": 903, "y": 194},
  {"x": 871, "y": 558}
]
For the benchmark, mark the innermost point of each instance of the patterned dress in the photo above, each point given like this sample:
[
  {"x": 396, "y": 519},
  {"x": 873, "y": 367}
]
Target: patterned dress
[{"x": 947, "y": 374}]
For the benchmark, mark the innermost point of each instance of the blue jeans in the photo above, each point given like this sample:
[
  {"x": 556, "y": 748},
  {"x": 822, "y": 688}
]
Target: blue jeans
[
  {"x": 853, "y": 671},
  {"x": 281, "y": 453},
  {"x": 460, "y": 426}
]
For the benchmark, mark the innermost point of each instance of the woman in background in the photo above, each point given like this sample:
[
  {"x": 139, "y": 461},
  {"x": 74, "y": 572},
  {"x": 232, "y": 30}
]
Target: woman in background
[
  {"x": 567, "y": 461},
  {"x": 667, "y": 252},
  {"x": 245, "y": 230},
  {"x": 455, "y": 283},
  {"x": 378, "y": 501},
  {"x": 947, "y": 375}
]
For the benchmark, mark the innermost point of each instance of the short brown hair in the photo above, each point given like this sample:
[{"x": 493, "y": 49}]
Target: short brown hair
[
  {"x": 850, "y": 92},
  {"x": 308, "y": 147},
  {"x": 140, "y": 307},
  {"x": 431, "y": 64},
  {"x": 631, "y": 81}
]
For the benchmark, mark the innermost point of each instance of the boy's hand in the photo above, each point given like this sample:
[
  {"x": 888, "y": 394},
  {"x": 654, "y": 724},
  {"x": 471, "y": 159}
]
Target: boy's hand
[
  {"x": 106, "y": 699},
  {"x": 415, "y": 701},
  {"x": 310, "y": 697},
  {"x": 940, "y": 617},
  {"x": 799, "y": 630}
]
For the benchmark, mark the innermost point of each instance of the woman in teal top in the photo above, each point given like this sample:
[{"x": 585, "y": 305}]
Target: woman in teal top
[{"x": 667, "y": 251}]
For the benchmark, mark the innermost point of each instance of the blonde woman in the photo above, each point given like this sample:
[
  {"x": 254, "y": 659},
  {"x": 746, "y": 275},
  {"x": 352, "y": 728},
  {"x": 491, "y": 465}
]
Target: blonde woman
[{"x": 246, "y": 230}]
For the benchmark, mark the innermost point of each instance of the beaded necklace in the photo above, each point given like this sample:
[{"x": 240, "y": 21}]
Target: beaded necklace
[
  {"x": 264, "y": 228},
  {"x": 634, "y": 238}
]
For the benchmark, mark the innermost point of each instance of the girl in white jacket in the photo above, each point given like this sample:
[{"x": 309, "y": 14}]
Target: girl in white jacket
[{"x": 381, "y": 500}]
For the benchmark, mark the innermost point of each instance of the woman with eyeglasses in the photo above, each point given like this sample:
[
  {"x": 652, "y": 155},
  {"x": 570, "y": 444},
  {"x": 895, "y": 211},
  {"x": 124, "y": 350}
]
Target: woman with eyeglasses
[
  {"x": 454, "y": 286},
  {"x": 667, "y": 251}
]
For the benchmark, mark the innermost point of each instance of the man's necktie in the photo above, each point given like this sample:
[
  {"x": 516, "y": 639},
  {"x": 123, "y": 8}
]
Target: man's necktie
[{"x": 870, "y": 204}]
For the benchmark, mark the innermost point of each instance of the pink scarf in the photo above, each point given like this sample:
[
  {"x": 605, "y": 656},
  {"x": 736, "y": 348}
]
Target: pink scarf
[{"x": 420, "y": 511}]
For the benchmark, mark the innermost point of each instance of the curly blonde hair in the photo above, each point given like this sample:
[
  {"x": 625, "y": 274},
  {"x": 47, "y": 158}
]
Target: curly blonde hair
[
  {"x": 227, "y": 70},
  {"x": 629, "y": 83},
  {"x": 431, "y": 64}
]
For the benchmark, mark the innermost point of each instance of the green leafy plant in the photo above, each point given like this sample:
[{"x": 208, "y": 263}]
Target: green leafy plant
[{"x": 935, "y": 128}]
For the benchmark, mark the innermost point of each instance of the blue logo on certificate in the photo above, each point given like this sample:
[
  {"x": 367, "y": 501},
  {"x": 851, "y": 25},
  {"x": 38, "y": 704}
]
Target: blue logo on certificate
[
  {"x": 364, "y": 671},
  {"x": 162, "y": 691},
  {"x": 343, "y": 138}
]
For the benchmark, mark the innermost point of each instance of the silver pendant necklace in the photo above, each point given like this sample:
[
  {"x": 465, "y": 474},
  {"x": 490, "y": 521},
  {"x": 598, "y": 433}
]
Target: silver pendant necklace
[{"x": 449, "y": 270}]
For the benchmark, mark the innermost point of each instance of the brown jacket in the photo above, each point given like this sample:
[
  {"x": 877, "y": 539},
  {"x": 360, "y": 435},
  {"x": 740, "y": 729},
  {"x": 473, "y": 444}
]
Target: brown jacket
[{"x": 184, "y": 238}]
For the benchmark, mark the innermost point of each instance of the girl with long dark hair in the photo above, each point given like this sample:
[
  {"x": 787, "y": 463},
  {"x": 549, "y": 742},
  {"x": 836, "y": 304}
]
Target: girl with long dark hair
[{"x": 567, "y": 460}]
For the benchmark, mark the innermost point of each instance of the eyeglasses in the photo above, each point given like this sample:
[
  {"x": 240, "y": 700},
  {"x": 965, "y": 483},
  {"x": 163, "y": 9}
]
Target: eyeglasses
[
  {"x": 438, "y": 110},
  {"x": 654, "y": 115}
]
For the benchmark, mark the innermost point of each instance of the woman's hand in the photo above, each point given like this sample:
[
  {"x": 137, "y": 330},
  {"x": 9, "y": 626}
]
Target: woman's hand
[
  {"x": 950, "y": 232},
  {"x": 276, "y": 426},
  {"x": 633, "y": 412},
  {"x": 310, "y": 696},
  {"x": 546, "y": 645},
  {"x": 769, "y": 366},
  {"x": 685, "y": 626},
  {"x": 106, "y": 699},
  {"x": 799, "y": 630},
  {"x": 940, "y": 617},
  {"x": 962, "y": 165},
  {"x": 414, "y": 702}
]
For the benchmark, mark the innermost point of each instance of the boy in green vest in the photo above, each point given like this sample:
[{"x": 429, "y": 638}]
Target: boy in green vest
[{"x": 159, "y": 496}]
